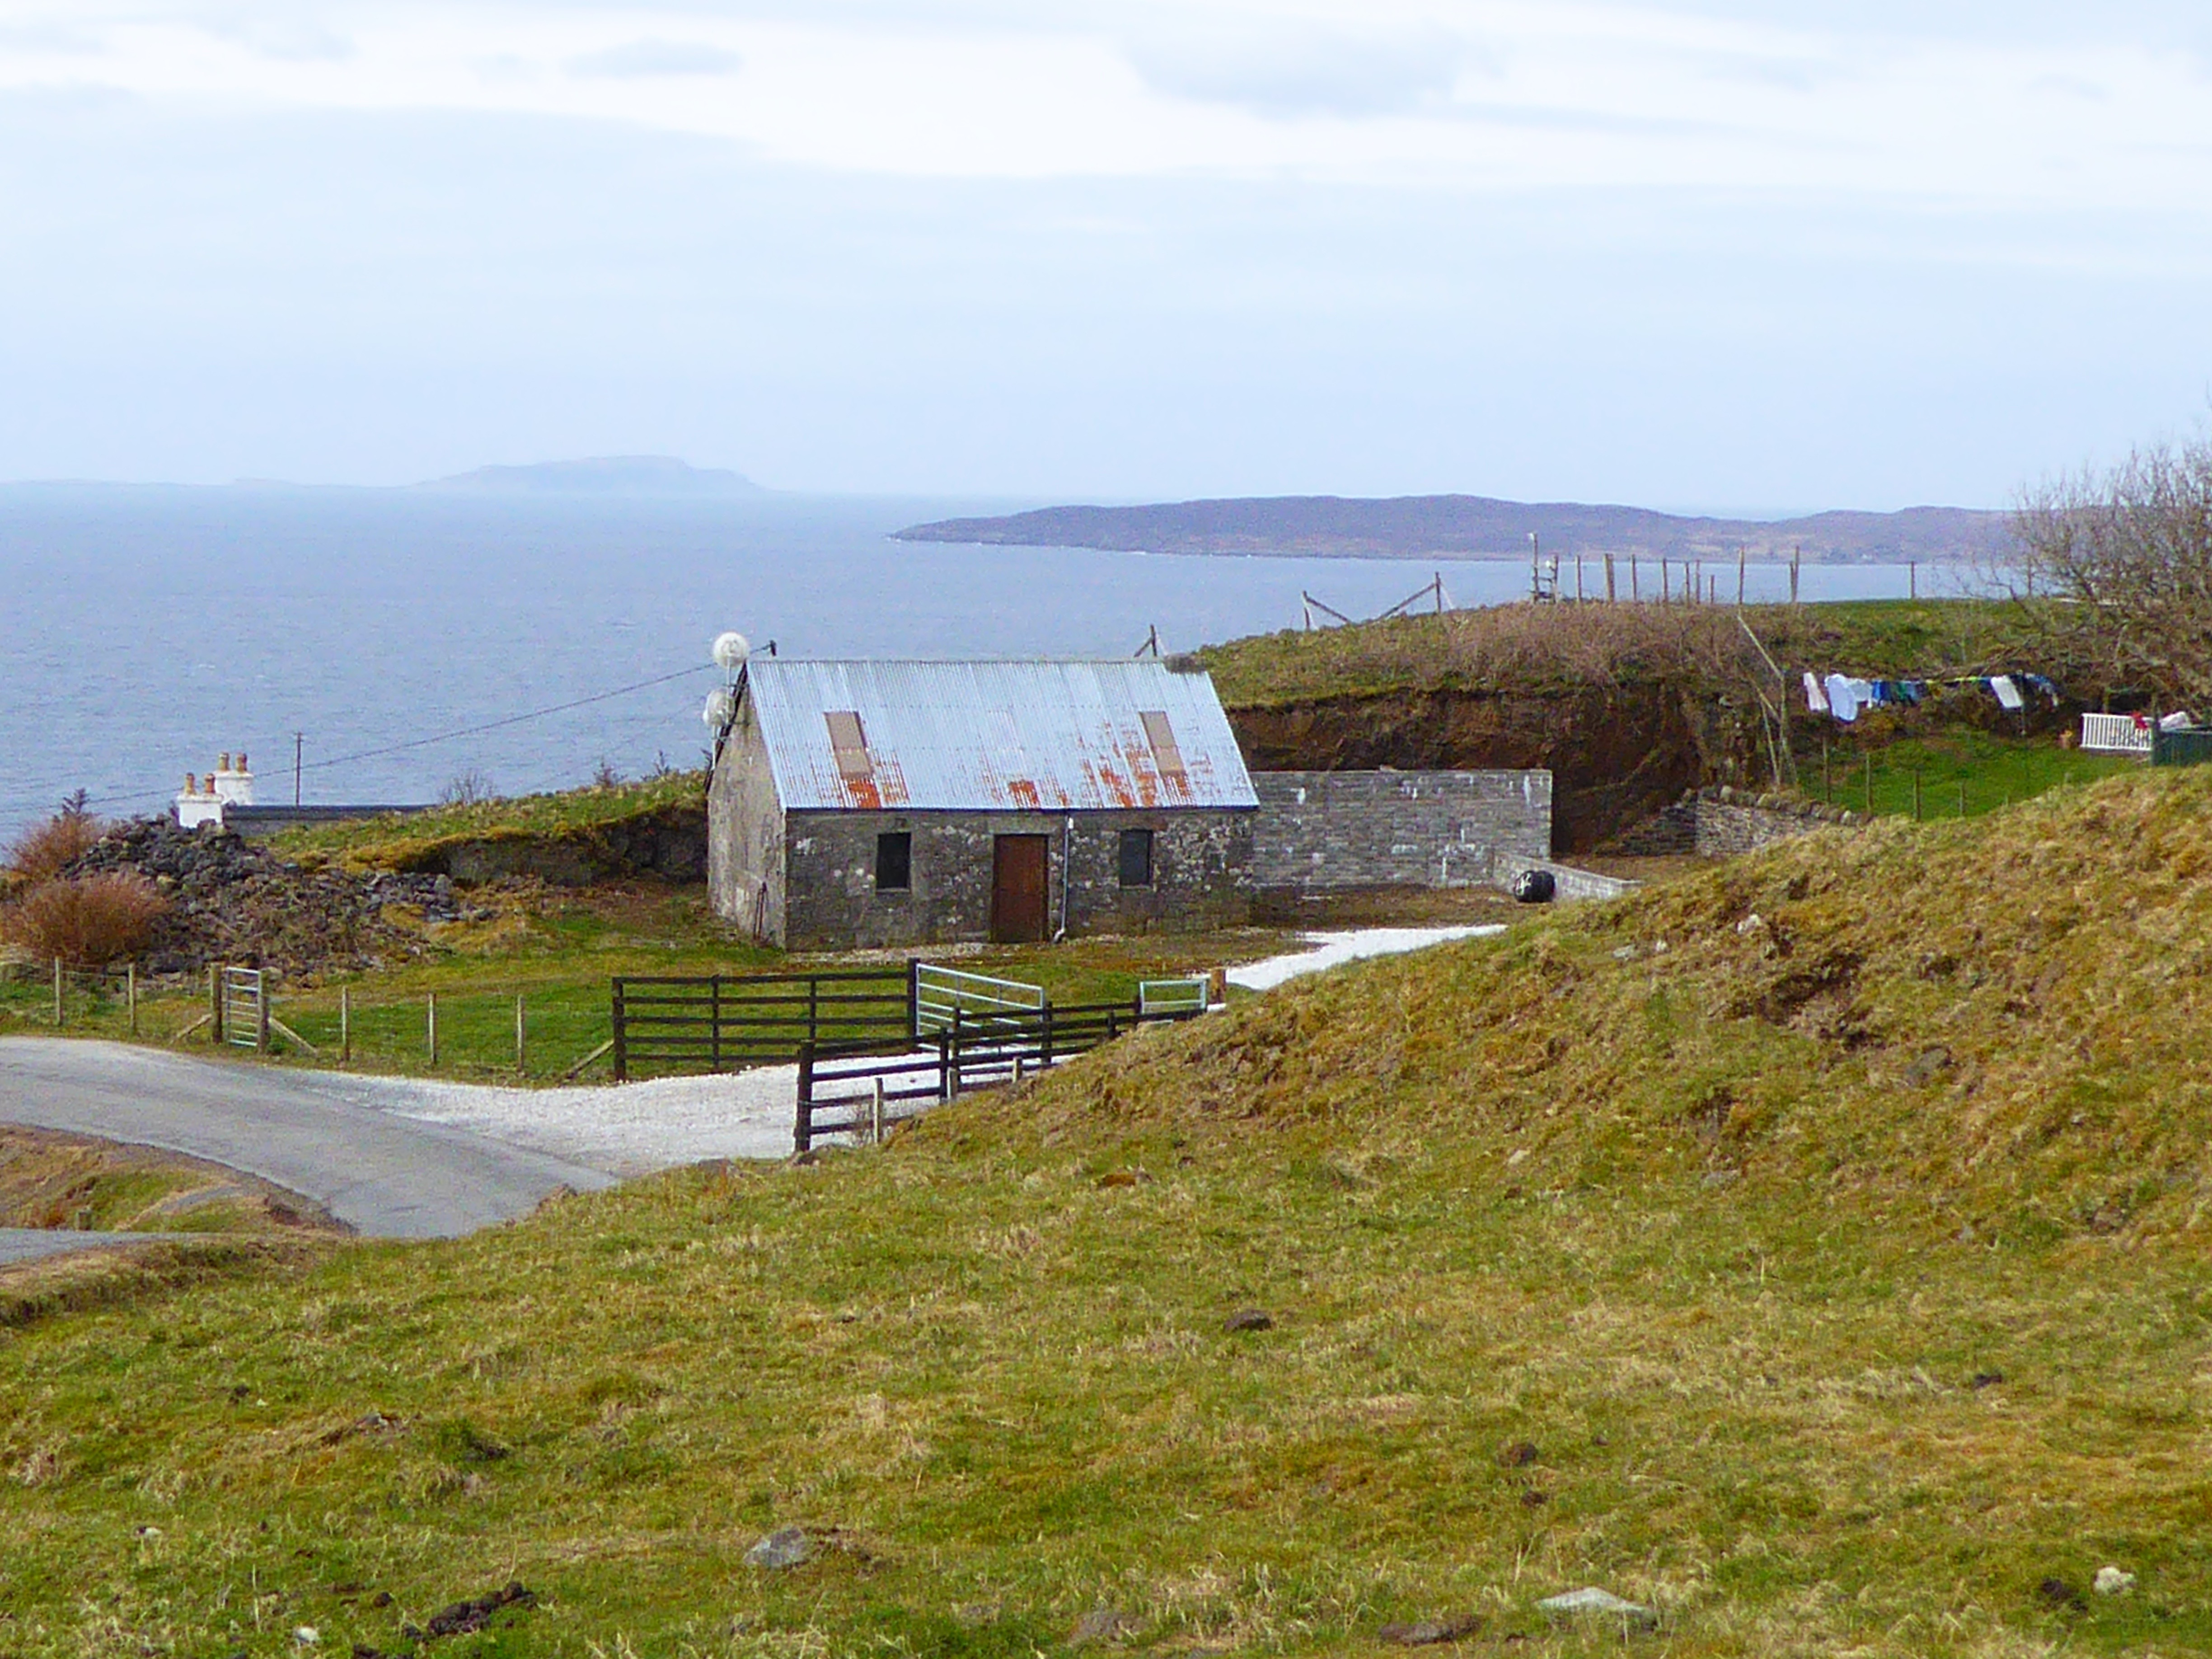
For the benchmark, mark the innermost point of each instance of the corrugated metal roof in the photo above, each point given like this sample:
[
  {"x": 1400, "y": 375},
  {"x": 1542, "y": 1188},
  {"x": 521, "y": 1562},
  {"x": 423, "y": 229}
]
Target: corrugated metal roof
[{"x": 995, "y": 736}]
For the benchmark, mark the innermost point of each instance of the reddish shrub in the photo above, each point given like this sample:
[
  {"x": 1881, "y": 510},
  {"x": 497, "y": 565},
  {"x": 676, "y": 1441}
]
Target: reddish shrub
[
  {"x": 90, "y": 921},
  {"x": 51, "y": 847}
]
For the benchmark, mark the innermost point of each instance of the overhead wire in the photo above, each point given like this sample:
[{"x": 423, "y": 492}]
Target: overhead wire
[{"x": 455, "y": 733}]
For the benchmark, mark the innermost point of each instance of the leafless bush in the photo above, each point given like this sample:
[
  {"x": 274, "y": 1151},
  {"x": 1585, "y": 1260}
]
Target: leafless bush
[
  {"x": 469, "y": 788},
  {"x": 2128, "y": 555},
  {"x": 89, "y": 921},
  {"x": 47, "y": 849}
]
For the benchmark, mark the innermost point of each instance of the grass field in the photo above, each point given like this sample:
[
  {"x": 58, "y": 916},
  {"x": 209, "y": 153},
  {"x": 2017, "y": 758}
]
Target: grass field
[
  {"x": 1833, "y": 1281},
  {"x": 558, "y": 954},
  {"x": 1993, "y": 772}
]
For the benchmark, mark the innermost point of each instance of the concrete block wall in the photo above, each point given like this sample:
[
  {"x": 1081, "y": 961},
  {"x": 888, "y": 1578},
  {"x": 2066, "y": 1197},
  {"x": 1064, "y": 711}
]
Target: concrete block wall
[{"x": 1319, "y": 831}]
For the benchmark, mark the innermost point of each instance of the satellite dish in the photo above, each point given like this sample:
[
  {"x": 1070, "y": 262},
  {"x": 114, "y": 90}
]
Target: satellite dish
[
  {"x": 721, "y": 708},
  {"x": 730, "y": 651}
]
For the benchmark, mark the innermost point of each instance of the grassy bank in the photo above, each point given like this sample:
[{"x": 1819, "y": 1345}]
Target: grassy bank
[
  {"x": 1538, "y": 648},
  {"x": 1832, "y": 1280},
  {"x": 411, "y": 840}
]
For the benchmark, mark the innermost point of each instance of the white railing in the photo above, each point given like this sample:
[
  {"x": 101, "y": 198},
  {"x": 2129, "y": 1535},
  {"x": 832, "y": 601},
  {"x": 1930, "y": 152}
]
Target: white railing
[
  {"x": 1171, "y": 996},
  {"x": 941, "y": 993},
  {"x": 2115, "y": 734}
]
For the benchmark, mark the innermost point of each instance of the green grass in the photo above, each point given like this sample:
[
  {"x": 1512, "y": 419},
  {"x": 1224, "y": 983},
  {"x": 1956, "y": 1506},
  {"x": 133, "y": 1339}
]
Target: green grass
[
  {"x": 402, "y": 841},
  {"x": 1993, "y": 772},
  {"x": 1740, "y": 1234}
]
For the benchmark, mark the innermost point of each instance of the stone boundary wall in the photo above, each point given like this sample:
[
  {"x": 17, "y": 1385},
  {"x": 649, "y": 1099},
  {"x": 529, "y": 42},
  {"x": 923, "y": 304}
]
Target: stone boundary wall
[
  {"x": 1722, "y": 822},
  {"x": 1327, "y": 831}
]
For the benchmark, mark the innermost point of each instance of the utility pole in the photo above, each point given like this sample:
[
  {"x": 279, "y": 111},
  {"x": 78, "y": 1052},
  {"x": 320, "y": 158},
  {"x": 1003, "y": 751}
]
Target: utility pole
[{"x": 299, "y": 750}]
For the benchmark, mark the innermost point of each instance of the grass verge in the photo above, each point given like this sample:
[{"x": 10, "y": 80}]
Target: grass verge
[{"x": 1811, "y": 1247}]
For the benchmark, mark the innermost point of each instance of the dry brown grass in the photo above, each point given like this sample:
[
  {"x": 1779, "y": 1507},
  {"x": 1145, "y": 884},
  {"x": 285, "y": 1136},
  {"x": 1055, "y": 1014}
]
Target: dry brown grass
[
  {"x": 46, "y": 849},
  {"x": 87, "y": 921}
]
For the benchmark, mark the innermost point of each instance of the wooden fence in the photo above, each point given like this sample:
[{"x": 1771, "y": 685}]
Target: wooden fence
[{"x": 721, "y": 1022}]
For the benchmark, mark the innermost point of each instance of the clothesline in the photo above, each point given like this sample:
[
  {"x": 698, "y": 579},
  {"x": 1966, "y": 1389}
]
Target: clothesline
[{"x": 1845, "y": 696}]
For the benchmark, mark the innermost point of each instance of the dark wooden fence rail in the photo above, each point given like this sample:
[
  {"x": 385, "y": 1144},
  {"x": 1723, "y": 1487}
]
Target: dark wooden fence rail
[
  {"x": 721, "y": 1021},
  {"x": 844, "y": 1093}
]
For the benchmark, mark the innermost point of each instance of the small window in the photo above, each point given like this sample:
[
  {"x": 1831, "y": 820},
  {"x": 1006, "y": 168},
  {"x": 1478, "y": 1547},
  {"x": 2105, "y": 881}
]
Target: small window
[
  {"x": 1136, "y": 858},
  {"x": 894, "y": 862}
]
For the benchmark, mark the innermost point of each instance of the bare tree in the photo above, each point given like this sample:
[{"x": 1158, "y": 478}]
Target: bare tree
[{"x": 2125, "y": 559}]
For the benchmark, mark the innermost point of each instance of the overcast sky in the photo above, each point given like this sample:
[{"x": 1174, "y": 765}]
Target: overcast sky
[{"x": 1720, "y": 254}]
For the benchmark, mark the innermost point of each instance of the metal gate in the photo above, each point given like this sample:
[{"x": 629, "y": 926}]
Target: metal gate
[{"x": 242, "y": 1010}]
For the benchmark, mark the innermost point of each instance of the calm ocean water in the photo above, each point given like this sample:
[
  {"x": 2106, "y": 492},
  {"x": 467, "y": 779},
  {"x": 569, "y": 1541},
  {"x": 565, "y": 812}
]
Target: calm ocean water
[{"x": 149, "y": 630}]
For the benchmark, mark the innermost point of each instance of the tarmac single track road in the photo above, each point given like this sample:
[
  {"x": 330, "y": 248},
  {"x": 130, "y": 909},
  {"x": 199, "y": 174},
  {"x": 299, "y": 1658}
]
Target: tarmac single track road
[{"x": 324, "y": 1135}]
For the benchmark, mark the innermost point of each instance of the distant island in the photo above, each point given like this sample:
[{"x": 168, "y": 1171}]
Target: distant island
[
  {"x": 604, "y": 475},
  {"x": 1480, "y": 527}
]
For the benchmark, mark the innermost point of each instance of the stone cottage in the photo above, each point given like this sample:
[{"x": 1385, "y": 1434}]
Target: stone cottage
[{"x": 879, "y": 803}]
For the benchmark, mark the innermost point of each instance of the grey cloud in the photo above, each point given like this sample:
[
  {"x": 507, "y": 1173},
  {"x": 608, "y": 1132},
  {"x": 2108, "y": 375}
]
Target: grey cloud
[
  {"x": 641, "y": 58},
  {"x": 1310, "y": 72}
]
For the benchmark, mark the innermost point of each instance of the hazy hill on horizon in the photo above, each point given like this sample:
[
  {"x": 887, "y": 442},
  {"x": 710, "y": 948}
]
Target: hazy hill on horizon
[
  {"x": 599, "y": 475},
  {"x": 1480, "y": 526}
]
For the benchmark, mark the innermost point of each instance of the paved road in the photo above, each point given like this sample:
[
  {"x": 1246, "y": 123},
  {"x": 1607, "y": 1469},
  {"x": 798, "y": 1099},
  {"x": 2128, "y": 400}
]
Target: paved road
[
  {"x": 323, "y": 1135},
  {"x": 35, "y": 1243}
]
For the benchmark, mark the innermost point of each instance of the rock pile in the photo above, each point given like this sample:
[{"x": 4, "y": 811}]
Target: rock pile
[{"x": 234, "y": 901}]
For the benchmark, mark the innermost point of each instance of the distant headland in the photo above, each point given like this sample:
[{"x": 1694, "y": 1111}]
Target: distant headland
[
  {"x": 1481, "y": 527},
  {"x": 603, "y": 474}
]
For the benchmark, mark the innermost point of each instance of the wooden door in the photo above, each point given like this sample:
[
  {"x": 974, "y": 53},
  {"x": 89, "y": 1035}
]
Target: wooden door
[{"x": 1020, "y": 899}]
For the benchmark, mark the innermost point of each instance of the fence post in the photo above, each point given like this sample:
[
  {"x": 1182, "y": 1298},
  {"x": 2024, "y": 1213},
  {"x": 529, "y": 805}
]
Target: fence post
[
  {"x": 131, "y": 990},
  {"x": 802, "y": 1126},
  {"x": 432, "y": 1030},
  {"x": 345, "y": 1026},
  {"x": 813, "y": 1005},
  {"x": 944, "y": 1066},
  {"x": 914, "y": 998},
  {"x": 215, "y": 1002},
  {"x": 621, "y": 1036},
  {"x": 261, "y": 1010},
  {"x": 57, "y": 994},
  {"x": 876, "y": 1125},
  {"x": 952, "y": 1038},
  {"x": 714, "y": 1025},
  {"x": 522, "y": 1053},
  {"x": 1044, "y": 1045}
]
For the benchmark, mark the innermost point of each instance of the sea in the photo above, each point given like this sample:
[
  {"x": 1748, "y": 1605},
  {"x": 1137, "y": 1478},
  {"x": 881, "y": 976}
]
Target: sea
[{"x": 394, "y": 643}]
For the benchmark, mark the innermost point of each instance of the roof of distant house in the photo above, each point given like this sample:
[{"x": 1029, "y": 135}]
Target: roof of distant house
[{"x": 995, "y": 736}]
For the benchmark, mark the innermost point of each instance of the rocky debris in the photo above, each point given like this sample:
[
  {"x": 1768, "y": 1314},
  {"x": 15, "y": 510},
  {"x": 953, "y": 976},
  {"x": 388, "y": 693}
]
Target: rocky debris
[
  {"x": 788, "y": 1547},
  {"x": 1591, "y": 1601},
  {"x": 1432, "y": 1632},
  {"x": 1249, "y": 1319},
  {"x": 234, "y": 901},
  {"x": 2113, "y": 1581}
]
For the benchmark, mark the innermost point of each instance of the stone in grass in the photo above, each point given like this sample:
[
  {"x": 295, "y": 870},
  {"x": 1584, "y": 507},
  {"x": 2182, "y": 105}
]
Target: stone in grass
[
  {"x": 1432, "y": 1632},
  {"x": 786, "y": 1546},
  {"x": 2113, "y": 1581},
  {"x": 1249, "y": 1319},
  {"x": 1589, "y": 1599}
]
